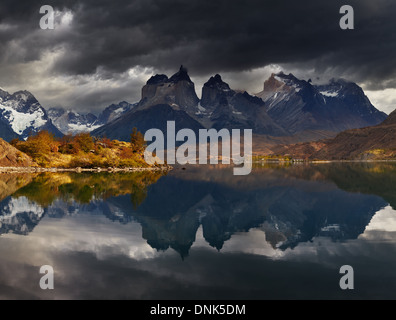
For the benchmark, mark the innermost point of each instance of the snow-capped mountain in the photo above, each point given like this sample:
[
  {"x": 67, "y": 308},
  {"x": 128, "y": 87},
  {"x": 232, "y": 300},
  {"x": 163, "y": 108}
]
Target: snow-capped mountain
[
  {"x": 115, "y": 111},
  {"x": 222, "y": 107},
  {"x": 286, "y": 107},
  {"x": 165, "y": 99},
  {"x": 21, "y": 115},
  {"x": 297, "y": 105},
  {"x": 69, "y": 121}
]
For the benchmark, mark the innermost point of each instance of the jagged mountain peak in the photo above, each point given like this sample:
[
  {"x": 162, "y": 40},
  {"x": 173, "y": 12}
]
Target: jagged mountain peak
[
  {"x": 252, "y": 99},
  {"x": 227, "y": 108},
  {"x": 299, "y": 106},
  {"x": 178, "y": 92},
  {"x": 24, "y": 95},
  {"x": 340, "y": 87},
  {"x": 216, "y": 82},
  {"x": 58, "y": 111},
  {"x": 282, "y": 82},
  {"x": 70, "y": 121},
  {"x": 158, "y": 79},
  {"x": 21, "y": 115},
  {"x": 181, "y": 75}
]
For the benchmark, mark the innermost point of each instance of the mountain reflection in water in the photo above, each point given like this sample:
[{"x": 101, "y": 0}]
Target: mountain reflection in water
[
  {"x": 291, "y": 204},
  {"x": 201, "y": 233}
]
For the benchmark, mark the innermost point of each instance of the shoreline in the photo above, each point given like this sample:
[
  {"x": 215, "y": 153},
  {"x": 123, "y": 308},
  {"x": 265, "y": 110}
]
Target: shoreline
[
  {"x": 318, "y": 161},
  {"x": 80, "y": 170},
  {"x": 169, "y": 168}
]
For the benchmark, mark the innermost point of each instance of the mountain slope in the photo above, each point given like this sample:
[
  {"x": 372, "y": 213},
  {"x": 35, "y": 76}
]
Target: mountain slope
[
  {"x": 22, "y": 114},
  {"x": 154, "y": 117},
  {"x": 376, "y": 142},
  {"x": 163, "y": 99},
  {"x": 222, "y": 107},
  {"x": 178, "y": 91},
  {"x": 297, "y": 105},
  {"x": 72, "y": 122},
  {"x": 12, "y": 157},
  {"x": 68, "y": 121},
  {"x": 6, "y": 131}
]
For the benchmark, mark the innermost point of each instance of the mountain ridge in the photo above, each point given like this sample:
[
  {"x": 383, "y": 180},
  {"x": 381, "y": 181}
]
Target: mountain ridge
[
  {"x": 299, "y": 105},
  {"x": 72, "y": 122},
  {"x": 369, "y": 143},
  {"x": 287, "y": 106},
  {"x": 22, "y": 115}
]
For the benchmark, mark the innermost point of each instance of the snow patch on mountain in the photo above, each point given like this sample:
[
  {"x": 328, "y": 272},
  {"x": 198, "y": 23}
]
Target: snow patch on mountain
[
  {"x": 20, "y": 121},
  {"x": 82, "y": 127},
  {"x": 329, "y": 94},
  {"x": 22, "y": 114},
  {"x": 71, "y": 122}
]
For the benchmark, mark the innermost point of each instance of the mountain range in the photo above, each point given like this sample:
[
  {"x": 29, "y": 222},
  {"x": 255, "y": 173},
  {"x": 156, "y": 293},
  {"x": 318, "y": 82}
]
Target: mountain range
[
  {"x": 71, "y": 122},
  {"x": 287, "y": 107},
  {"x": 297, "y": 105},
  {"x": 21, "y": 115}
]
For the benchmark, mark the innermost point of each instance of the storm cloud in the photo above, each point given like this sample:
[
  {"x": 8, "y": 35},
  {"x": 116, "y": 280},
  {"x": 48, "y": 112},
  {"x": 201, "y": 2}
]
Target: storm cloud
[{"x": 103, "y": 51}]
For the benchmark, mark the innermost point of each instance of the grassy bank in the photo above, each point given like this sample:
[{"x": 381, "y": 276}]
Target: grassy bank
[{"x": 83, "y": 151}]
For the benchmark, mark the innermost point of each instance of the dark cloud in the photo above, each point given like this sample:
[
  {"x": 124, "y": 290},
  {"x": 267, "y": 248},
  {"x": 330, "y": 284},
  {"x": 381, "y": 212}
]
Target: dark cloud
[
  {"x": 231, "y": 35},
  {"x": 208, "y": 36}
]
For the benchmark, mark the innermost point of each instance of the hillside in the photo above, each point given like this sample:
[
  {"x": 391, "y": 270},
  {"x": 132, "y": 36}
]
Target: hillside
[
  {"x": 12, "y": 157},
  {"x": 369, "y": 143},
  {"x": 298, "y": 105}
]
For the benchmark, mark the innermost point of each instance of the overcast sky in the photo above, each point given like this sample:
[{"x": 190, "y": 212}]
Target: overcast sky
[{"x": 103, "y": 52}]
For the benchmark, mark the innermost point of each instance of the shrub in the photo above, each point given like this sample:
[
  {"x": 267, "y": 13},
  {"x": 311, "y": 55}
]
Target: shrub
[
  {"x": 85, "y": 142},
  {"x": 39, "y": 147},
  {"x": 67, "y": 145}
]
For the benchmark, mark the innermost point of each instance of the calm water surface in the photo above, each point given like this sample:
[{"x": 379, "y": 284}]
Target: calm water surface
[{"x": 283, "y": 232}]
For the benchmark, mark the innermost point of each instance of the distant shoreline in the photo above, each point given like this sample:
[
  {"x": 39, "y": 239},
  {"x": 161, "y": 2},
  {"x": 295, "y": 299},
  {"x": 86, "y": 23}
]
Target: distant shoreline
[
  {"x": 297, "y": 161},
  {"x": 80, "y": 170}
]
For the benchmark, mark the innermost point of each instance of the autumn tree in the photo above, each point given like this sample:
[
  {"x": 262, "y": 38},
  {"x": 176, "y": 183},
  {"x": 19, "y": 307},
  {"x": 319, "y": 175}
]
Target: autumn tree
[
  {"x": 67, "y": 145},
  {"x": 14, "y": 142},
  {"x": 137, "y": 141},
  {"x": 85, "y": 142},
  {"x": 39, "y": 146},
  {"x": 106, "y": 142}
]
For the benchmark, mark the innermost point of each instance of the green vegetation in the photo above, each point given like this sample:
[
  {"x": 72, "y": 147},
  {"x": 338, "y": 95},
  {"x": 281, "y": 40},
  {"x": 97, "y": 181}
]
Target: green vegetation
[
  {"x": 271, "y": 157},
  {"x": 83, "y": 151},
  {"x": 379, "y": 154},
  {"x": 45, "y": 188}
]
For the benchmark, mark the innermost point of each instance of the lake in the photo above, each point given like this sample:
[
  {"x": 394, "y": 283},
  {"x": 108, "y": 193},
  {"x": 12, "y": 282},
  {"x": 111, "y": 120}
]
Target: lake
[{"x": 282, "y": 232}]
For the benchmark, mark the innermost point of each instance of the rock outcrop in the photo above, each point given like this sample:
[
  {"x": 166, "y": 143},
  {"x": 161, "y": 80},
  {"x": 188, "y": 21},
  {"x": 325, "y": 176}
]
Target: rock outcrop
[{"x": 12, "y": 157}]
